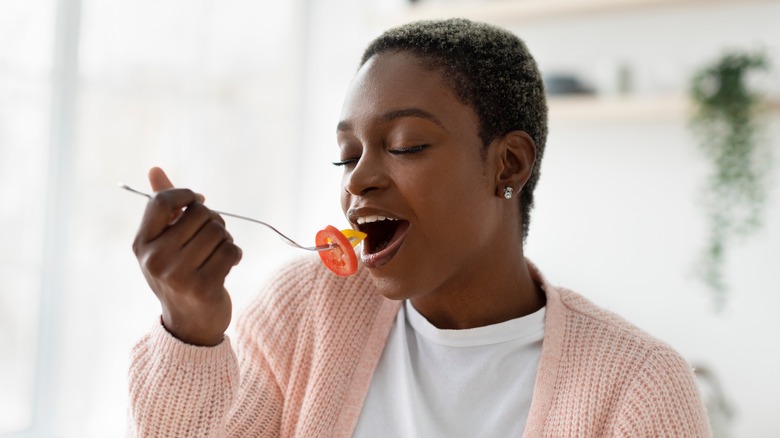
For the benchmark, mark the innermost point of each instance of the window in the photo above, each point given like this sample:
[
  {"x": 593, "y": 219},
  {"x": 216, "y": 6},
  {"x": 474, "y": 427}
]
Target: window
[
  {"x": 26, "y": 37},
  {"x": 208, "y": 90}
]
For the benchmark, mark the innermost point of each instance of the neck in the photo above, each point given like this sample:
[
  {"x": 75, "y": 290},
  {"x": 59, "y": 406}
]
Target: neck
[{"x": 498, "y": 287}]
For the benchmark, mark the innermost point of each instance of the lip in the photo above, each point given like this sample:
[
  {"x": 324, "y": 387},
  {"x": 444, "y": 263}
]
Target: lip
[{"x": 381, "y": 258}]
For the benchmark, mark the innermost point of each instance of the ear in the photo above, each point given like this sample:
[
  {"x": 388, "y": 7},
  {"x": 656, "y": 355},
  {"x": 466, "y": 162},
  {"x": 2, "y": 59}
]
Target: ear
[{"x": 514, "y": 161}]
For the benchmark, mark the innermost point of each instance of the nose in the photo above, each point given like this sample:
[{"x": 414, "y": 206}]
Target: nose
[{"x": 369, "y": 174}]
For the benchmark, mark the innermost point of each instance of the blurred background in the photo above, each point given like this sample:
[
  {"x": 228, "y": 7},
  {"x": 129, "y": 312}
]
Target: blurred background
[{"x": 239, "y": 99}]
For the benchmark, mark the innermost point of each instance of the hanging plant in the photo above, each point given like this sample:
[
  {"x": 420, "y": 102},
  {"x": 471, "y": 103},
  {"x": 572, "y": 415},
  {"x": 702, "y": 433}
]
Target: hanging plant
[{"x": 727, "y": 125}]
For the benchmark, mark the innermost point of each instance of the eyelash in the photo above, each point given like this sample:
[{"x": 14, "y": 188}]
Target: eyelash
[
  {"x": 402, "y": 151},
  {"x": 409, "y": 150},
  {"x": 345, "y": 162}
]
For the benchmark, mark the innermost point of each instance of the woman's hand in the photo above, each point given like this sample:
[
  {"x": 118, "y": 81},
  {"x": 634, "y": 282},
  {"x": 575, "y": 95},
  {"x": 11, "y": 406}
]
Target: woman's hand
[{"x": 185, "y": 253}]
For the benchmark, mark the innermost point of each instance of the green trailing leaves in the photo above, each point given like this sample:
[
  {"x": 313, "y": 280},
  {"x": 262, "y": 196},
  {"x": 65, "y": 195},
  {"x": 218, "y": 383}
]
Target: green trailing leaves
[{"x": 727, "y": 125}]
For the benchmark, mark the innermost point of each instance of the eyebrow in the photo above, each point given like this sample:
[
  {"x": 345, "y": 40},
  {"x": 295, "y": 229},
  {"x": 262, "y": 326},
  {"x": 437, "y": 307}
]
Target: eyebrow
[{"x": 395, "y": 115}]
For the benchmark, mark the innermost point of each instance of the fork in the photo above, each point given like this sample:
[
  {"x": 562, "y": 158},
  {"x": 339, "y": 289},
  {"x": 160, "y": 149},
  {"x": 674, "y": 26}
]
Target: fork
[{"x": 223, "y": 213}]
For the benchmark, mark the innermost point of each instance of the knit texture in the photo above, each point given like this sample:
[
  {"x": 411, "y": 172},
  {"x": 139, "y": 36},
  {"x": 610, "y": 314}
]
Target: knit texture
[{"x": 307, "y": 347}]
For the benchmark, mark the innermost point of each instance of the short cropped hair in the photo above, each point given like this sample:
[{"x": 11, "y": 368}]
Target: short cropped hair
[{"x": 489, "y": 69}]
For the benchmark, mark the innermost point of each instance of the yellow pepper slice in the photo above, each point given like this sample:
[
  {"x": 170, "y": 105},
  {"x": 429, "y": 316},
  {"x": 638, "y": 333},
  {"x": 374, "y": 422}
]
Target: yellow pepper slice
[{"x": 357, "y": 235}]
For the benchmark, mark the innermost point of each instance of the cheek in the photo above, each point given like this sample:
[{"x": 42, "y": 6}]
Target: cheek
[
  {"x": 460, "y": 183},
  {"x": 449, "y": 199}
]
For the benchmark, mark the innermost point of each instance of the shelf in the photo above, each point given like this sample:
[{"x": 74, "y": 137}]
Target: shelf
[
  {"x": 515, "y": 11},
  {"x": 617, "y": 109},
  {"x": 594, "y": 109}
]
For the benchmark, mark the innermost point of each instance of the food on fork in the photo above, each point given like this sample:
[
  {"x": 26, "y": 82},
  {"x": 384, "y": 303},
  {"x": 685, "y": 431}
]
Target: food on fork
[{"x": 341, "y": 259}]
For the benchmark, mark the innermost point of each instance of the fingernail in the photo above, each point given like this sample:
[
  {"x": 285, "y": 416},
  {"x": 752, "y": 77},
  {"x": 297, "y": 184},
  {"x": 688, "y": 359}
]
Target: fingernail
[{"x": 200, "y": 198}]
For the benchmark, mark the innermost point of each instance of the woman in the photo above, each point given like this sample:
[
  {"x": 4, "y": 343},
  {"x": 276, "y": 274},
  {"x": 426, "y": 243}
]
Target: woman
[{"x": 446, "y": 329}]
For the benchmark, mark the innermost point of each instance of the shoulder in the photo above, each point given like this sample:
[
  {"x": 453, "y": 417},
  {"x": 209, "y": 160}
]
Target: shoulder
[
  {"x": 620, "y": 349},
  {"x": 598, "y": 345},
  {"x": 650, "y": 386},
  {"x": 591, "y": 324},
  {"x": 592, "y": 349}
]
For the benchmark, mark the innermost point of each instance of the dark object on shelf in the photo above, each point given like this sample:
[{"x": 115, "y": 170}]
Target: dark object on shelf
[{"x": 559, "y": 84}]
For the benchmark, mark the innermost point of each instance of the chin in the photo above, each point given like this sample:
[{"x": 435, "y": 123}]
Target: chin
[{"x": 392, "y": 288}]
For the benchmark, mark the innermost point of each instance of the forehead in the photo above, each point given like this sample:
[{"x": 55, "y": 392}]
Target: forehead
[{"x": 394, "y": 81}]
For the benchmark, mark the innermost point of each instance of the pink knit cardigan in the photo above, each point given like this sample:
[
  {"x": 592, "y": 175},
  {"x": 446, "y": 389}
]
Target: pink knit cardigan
[{"x": 307, "y": 347}]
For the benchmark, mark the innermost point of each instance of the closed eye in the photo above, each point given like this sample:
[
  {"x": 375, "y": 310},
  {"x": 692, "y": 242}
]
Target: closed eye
[
  {"x": 397, "y": 151},
  {"x": 409, "y": 150},
  {"x": 346, "y": 162}
]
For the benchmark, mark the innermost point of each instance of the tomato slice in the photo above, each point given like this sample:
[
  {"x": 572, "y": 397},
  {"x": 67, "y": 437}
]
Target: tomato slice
[{"x": 342, "y": 259}]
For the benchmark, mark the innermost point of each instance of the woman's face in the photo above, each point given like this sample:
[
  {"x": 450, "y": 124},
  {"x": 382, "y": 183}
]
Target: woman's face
[{"x": 414, "y": 178}]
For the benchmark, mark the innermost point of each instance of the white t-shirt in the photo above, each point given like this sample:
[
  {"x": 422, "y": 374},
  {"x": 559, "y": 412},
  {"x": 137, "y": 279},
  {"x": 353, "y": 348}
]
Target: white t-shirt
[{"x": 453, "y": 383}]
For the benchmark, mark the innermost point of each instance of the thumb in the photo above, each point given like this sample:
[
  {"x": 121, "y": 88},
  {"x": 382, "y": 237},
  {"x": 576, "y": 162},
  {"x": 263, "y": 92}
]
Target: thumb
[{"x": 159, "y": 180}]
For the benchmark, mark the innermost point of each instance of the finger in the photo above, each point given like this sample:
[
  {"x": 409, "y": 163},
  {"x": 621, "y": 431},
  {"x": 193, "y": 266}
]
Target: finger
[
  {"x": 217, "y": 217},
  {"x": 222, "y": 260},
  {"x": 189, "y": 226},
  {"x": 159, "y": 210},
  {"x": 159, "y": 180},
  {"x": 207, "y": 239}
]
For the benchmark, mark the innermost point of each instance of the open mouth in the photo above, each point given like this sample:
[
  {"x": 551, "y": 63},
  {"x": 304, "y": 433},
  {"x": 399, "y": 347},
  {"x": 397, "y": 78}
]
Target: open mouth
[{"x": 382, "y": 232}]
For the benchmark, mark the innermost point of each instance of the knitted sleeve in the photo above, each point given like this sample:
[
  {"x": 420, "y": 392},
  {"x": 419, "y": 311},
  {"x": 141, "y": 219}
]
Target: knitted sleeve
[
  {"x": 178, "y": 389},
  {"x": 181, "y": 390},
  {"x": 663, "y": 400}
]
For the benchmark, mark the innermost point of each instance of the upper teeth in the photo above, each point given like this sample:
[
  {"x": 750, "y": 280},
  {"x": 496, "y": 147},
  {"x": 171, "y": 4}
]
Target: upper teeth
[{"x": 368, "y": 219}]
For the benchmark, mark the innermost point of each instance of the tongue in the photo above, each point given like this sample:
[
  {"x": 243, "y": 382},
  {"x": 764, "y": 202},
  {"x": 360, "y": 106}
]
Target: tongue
[
  {"x": 387, "y": 240},
  {"x": 382, "y": 245}
]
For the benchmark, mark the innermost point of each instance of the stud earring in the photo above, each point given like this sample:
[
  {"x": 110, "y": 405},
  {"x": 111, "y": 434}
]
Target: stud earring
[{"x": 508, "y": 192}]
